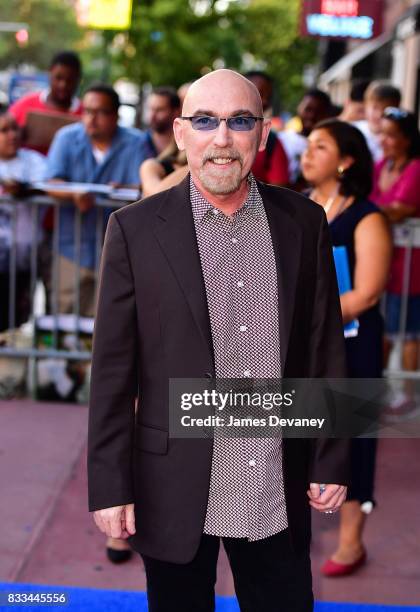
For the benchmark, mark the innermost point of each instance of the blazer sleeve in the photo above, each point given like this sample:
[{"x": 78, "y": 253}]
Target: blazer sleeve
[
  {"x": 327, "y": 359},
  {"x": 114, "y": 384}
]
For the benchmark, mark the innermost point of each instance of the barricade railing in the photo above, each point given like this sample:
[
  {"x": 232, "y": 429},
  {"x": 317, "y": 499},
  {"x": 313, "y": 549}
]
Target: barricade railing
[
  {"x": 405, "y": 235},
  {"x": 46, "y": 325},
  {"x": 25, "y": 277}
]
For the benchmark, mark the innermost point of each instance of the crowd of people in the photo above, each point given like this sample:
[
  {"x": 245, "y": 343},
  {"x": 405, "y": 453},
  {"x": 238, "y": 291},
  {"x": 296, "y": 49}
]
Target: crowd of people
[{"x": 360, "y": 163}]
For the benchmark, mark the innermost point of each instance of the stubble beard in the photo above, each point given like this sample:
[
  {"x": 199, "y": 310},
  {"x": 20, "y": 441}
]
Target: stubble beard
[
  {"x": 219, "y": 180},
  {"x": 162, "y": 128}
]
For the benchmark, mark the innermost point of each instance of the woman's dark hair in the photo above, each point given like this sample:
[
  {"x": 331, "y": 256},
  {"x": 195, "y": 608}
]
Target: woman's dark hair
[
  {"x": 357, "y": 179},
  {"x": 407, "y": 124}
]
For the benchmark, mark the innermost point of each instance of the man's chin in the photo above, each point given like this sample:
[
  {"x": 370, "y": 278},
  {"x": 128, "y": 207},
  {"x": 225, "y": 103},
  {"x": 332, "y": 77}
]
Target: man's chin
[
  {"x": 220, "y": 182},
  {"x": 64, "y": 101},
  {"x": 219, "y": 185},
  {"x": 219, "y": 190},
  {"x": 161, "y": 129}
]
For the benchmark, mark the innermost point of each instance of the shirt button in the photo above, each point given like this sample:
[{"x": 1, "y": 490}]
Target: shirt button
[
  {"x": 243, "y": 328},
  {"x": 247, "y": 373},
  {"x": 252, "y": 463},
  {"x": 234, "y": 240},
  {"x": 215, "y": 211},
  {"x": 240, "y": 283}
]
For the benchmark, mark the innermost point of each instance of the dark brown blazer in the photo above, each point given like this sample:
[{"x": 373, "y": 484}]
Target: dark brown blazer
[{"x": 152, "y": 324}]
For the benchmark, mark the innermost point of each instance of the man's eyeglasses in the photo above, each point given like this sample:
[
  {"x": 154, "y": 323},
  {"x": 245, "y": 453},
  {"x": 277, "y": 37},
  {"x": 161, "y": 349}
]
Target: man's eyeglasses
[
  {"x": 240, "y": 123},
  {"x": 102, "y": 112},
  {"x": 395, "y": 113}
]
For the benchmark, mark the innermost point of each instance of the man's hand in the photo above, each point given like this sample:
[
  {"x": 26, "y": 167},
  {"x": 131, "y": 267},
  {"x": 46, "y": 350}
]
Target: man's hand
[
  {"x": 329, "y": 499},
  {"x": 12, "y": 187},
  {"x": 84, "y": 201},
  {"x": 116, "y": 522}
]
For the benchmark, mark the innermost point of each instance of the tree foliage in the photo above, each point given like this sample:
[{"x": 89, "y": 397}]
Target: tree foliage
[
  {"x": 52, "y": 27},
  {"x": 171, "y": 41},
  {"x": 272, "y": 37}
]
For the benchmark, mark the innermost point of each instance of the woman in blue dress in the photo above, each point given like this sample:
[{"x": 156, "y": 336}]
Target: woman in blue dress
[{"x": 338, "y": 165}]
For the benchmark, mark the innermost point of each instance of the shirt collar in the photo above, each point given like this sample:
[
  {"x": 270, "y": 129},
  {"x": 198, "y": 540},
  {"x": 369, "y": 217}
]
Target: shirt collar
[
  {"x": 118, "y": 140},
  {"x": 202, "y": 207},
  {"x": 75, "y": 102}
]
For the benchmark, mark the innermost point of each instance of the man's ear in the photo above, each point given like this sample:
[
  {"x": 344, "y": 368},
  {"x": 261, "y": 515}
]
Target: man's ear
[
  {"x": 264, "y": 135},
  {"x": 178, "y": 127}
]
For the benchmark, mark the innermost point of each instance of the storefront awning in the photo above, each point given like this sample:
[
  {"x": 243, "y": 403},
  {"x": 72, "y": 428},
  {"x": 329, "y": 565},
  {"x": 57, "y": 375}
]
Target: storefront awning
[{"x": 341, "y": 69}]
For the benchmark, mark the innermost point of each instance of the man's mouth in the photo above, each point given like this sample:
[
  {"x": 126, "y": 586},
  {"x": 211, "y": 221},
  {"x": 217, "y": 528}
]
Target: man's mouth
[{"x": 222, "y": 161}]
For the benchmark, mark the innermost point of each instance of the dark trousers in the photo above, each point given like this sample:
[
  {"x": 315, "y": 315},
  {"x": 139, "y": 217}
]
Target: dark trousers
[
  {"x": 21, "y": 298},
  {"x": 268, "y": 576},
  {"x": 362, "y": 466}
]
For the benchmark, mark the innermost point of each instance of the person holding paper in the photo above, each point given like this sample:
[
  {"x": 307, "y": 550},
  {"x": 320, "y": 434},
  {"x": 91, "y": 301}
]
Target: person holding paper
[
  {"x": 59, "y": 99},
  {"x": 97, "y": 150},
  {"x": 338, "y": 165}
]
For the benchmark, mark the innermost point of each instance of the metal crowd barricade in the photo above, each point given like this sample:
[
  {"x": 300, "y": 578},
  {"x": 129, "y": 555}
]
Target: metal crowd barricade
[
  {"x": 405, "y": 235},
  {"x": 53, "y": 321}
]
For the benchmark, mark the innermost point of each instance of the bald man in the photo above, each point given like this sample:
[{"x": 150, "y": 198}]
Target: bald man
[{"x": 218, "y": 277}]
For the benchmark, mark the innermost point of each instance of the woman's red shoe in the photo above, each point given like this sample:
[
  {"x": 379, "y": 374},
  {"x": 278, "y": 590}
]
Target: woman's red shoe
[{"x": 332, "y": 569}]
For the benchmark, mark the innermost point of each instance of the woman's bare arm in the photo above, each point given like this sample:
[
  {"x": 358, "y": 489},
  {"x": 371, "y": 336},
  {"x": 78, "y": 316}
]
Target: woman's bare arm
[{"x": 373, "y": 251}]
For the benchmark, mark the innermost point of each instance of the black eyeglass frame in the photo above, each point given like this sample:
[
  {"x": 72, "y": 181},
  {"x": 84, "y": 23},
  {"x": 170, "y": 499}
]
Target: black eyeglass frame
[{"x": 219, "y": 119}]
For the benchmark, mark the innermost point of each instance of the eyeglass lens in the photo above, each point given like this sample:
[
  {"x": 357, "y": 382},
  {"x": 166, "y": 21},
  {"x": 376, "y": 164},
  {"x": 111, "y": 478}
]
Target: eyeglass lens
[{"x": 239, "y": 124}]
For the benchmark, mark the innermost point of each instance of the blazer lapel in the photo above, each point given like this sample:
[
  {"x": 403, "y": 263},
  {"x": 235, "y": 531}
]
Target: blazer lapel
[
  {"x": 175, "y": 232},
  {"x": 287, "y": 244}
]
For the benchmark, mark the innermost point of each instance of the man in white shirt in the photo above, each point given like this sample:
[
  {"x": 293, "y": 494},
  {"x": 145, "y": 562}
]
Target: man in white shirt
[
  {"x": 314, "y": 106},
  {"x": 354, "y": 105},
  {"x": 378, "y": 96},
  {"x": 17, "y": 166}
]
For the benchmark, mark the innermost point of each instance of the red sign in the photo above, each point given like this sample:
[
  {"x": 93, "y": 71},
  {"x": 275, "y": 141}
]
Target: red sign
[
  {"x": 361, "y": 19},
  {"x": 340, "y": 8}
]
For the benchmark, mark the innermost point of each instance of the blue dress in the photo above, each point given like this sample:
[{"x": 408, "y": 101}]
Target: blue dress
[{"x": 364, "y": 352}]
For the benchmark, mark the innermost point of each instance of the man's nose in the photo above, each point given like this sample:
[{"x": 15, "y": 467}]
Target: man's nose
[{"x": 223, "y": 135}]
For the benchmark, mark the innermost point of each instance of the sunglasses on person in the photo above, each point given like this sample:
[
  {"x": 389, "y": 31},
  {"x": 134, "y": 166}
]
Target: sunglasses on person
[
  {"x": 392, "y": 112},
  {"x": 239, "y": 123}
]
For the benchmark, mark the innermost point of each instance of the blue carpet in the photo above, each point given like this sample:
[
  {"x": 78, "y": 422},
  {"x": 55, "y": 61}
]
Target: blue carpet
[{"x": 95, "y": 600}]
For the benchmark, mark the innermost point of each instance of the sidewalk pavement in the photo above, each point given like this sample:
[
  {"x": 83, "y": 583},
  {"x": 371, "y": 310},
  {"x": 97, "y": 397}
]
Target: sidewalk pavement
[{"x": 49, "y": 536}]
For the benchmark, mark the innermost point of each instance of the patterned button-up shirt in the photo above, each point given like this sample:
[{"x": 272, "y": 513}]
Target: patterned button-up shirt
[{"x": 246, "y": 497}]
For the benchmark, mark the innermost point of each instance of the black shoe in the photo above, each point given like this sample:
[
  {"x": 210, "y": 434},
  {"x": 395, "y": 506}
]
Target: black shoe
[{"x": 118, "y": 556}]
